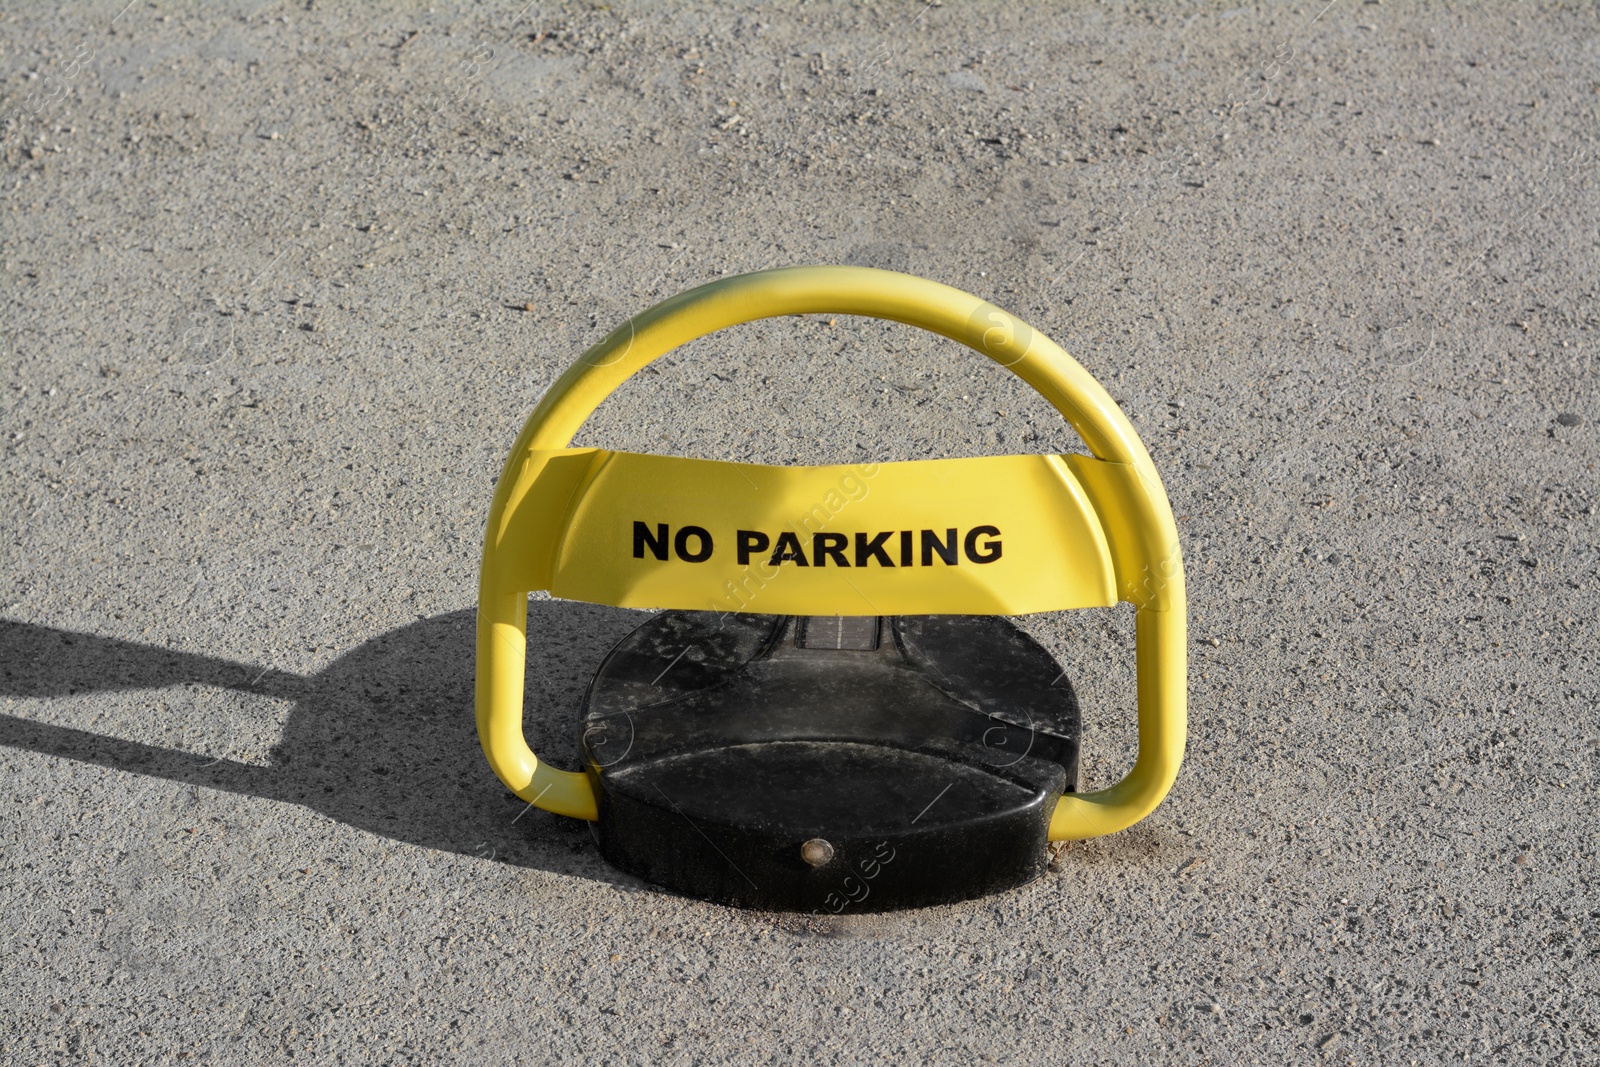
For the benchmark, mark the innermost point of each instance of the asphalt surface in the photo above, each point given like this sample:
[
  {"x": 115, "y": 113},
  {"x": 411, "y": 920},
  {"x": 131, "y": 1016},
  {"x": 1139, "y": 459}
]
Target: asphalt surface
[{"x": 281, "y": 284}]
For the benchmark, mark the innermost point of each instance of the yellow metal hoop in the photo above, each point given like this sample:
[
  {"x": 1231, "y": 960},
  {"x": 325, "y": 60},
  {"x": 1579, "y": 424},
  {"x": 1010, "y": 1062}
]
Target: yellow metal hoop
[{"x": 1132, "y": 506}]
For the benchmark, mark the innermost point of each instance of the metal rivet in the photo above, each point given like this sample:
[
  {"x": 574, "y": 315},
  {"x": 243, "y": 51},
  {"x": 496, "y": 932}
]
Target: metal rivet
[{"x": 816, "y": 852}]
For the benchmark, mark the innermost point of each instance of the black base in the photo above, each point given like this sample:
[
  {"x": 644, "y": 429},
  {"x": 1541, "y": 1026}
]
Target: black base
[{"x": 819, "y": 764}]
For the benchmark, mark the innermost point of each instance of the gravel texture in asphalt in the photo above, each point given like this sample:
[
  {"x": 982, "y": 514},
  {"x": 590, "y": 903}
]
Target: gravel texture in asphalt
[{"x": 281, "y": 282}]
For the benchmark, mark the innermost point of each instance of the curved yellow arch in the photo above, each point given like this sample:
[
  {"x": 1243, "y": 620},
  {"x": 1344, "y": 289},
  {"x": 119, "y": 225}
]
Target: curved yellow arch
[{"x": 1133, "y": 506}]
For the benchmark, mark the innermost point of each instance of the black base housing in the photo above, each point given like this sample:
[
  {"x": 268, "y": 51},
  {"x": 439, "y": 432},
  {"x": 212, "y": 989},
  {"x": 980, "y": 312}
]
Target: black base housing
[{"x": 823, "y": 764}]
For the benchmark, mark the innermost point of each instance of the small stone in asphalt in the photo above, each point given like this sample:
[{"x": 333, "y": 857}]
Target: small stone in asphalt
[{"x": 1568, "y": 418}]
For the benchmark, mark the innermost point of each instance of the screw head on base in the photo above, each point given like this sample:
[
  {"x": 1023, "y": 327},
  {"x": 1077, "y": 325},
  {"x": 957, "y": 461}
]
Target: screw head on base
[{"x": 816, "y": 852}]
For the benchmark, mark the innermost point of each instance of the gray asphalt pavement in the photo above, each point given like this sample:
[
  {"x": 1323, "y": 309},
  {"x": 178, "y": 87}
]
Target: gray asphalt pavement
[{"x": 281, "y": 282}]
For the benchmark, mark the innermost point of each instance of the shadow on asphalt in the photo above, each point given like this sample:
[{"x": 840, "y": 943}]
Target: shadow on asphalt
[{"x": 383, "y": 739}]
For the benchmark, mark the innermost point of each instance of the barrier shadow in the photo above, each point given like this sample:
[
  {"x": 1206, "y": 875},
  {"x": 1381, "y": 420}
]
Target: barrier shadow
[{"x": 383, "y": 739}]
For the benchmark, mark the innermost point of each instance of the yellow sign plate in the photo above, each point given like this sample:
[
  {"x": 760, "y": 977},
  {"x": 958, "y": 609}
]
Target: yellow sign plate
[{"x": 1000, "y": 535}]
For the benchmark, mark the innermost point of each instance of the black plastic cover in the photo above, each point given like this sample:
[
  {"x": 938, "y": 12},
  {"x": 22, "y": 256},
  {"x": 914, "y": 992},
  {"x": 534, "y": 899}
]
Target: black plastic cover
[{"x": 926, "y": 751}]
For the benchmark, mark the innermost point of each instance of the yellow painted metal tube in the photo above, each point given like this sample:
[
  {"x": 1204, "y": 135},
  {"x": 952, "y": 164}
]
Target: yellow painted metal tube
[
  {"x": 502, "y": 656},
  {"x": 880, "y": 294},
  {"x": 1149, "y": 569},
  {"x": 1161, "y": 663}
]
